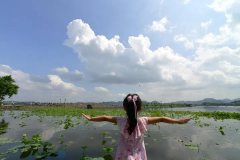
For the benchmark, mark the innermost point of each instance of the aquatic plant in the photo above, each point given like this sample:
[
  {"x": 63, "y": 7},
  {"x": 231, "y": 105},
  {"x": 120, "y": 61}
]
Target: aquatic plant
[
  {"x": 31, "y": 146},
  {"x": 75, "y": 112},
  {"x": 70, "y": 117},
  {"x": 3, "y": 126}
]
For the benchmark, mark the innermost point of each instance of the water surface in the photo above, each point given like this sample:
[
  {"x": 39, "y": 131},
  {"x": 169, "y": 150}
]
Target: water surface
[{"x": 163, "y": 141}]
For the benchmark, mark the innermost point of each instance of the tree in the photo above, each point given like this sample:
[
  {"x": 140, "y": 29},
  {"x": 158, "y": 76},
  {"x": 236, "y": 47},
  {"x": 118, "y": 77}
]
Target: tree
[{"x": 7, "y": 87}]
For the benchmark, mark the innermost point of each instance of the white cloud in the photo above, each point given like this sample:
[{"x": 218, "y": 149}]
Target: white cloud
[
  {"x": 219, "y": 76},
  {"x": 211, "y": 39},
  {"x": 73, "y": 76},
  {"x": 189, "y": 45},
  {"x": 228, "y": 32},
  {"x": 172, "y": 28},
  {"x": 123, "y": 95},
  {"x": 181, "y": 38},
  {"x": 206, "y": 24},
  {"x": 140, "y": 44},
  {"x": 201, "y": 81},
  {"x": 101, "y": 89},
  {"x": 159, "y": 26},
  {"x": 162, "y": 65},
  {"x": 57, "y": 82},
  {"x": 229, "y": 68},
  {"x": 164, "y": 74},
  {"x": 206, "y": 56},
  {"x": 222, "y": 5},
  {"x": 230, "y": 8},
  {"x": 140, "y": 94},
  {"x": 186, "y": 1},
  {"x": 108, "y": 61},
  {"x": 61, "y": 70},
  {"x": 49, "y": 88}
]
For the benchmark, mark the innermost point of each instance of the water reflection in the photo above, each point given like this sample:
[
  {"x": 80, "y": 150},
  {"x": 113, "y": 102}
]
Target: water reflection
[
  {"x": 3, "y": 127},
  {"x": 162, "y": 140},
  {"x": 208, "y": 108}
]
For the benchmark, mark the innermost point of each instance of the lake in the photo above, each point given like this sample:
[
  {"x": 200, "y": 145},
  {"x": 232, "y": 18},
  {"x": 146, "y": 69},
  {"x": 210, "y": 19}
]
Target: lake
[
  {"x": 202, "y": 138},
  {"x": 209, "y": 108}
]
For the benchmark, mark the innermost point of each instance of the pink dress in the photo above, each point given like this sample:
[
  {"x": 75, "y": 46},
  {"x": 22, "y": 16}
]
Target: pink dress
[{"x": 131, "y": 147}]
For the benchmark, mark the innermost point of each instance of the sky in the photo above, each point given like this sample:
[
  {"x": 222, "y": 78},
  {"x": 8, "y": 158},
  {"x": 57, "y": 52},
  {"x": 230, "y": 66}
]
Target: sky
[{"x": 95, "y": 51}]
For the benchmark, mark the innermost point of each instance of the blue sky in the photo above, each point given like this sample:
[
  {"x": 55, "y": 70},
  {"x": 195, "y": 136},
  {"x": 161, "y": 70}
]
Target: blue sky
[{"x": 33, "y": 36}]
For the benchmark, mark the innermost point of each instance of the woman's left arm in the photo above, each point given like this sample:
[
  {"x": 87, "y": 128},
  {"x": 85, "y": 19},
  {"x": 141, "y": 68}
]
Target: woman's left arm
[{"x": 101, "y": 118}]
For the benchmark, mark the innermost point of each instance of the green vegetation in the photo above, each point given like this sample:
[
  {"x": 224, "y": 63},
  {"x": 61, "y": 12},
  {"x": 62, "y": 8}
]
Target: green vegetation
[
  {"x": 157, "y": 105},
  {"x": 234, "y": 103},
  {"x": 30, "y": 146},
  {"x": 7, "y": 87},
  {"x": 3, "y": 127},
  {"x": 75, "y": 112},
  {"x": 68, "y": 118}
]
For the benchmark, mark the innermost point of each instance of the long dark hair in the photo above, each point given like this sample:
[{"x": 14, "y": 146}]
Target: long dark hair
[{"x": 129, "y": 105}]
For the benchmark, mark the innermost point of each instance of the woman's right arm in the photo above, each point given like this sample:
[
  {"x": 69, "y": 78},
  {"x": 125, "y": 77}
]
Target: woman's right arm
[{"x": 153, "y": 120}]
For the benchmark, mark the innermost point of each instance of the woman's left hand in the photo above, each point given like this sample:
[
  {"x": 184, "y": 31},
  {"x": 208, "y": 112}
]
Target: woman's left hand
[
  {"x": 184, "y": 121},
  {"x": 88, "y": 117}
]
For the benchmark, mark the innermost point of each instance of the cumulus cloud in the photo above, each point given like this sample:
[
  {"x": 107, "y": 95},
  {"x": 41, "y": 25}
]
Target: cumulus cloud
[
  {"x": 181, "y": 38},
  {"x": 167, "y": 73},
  {"x": 41, "y": 88},
  {"x": 164, "y": 74},
  {"x": 73, "y": 76},
  {"x": 214, "y": 66},
  {"x": 223, "y": 37},
  {"x": 206, "y": 56},
  {"x": 229, "y": 68},
  {"x": 159, "y": 26},
  {"x": 101, "y": 89},
  {"x": 37, "y": 78},
  {"x": 219, "y": 76},
  {"x": 61, "y": 70},
  {"x": 56, "y": 82},
  {"x": 108, "y": 61},
  {"x": 140, "y": 93},
  {"x": 222, "y": 5},
  {"x": 205, "y": 25},
  {"x": 122, "y": 95},
  {"x": 228, "y": 32}
]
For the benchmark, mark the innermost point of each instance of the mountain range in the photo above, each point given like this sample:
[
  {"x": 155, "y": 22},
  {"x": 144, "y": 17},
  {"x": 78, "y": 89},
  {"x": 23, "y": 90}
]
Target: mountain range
[{"x": 210, "y": 100}]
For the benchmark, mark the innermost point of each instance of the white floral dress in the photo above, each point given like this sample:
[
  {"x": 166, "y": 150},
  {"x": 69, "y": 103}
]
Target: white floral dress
[{"x": 131, "y": 147}]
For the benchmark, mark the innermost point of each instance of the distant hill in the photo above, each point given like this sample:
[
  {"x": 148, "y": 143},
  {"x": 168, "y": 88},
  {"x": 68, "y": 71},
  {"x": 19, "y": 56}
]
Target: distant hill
[
  {"x": 236, "y": 102},
  {"x": 209, "y": 100},
  {"x": 237, "y": 99},
  {"x": 120, "y": 103}
]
